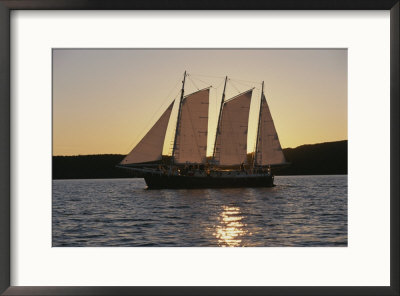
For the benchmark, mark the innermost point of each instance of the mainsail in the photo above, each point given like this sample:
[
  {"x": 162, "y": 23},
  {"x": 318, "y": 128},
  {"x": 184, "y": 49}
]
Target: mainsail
[
  {"x": 191, "y": 138},
  {"x": 231, "y": 140},
  {"x": 151, "y": 146},
  {"x": 269, "y": 150}
]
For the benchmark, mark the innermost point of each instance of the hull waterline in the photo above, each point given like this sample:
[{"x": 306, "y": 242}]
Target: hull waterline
[{"x": 156, "y": 179}]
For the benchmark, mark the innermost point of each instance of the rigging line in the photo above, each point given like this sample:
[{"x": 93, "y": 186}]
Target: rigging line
[
  {"x": 206, "y": 83},
  {"x": 146, "y": 128},
  {"x": 257, "y": 82},
  {"x": 207, "y": 75},
  {"x": 219, "y": 85},
  {"x": 242, "y": 93},
  {"x": 234, "y": 86},
  {"x": 208, "y": 87},
  {"x": 245, "y": 84},
  {"x": 191, "y": 80}
]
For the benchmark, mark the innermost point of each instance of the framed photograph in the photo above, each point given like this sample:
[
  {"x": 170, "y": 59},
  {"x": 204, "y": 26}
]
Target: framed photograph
[{"x": 164, "y": 148}]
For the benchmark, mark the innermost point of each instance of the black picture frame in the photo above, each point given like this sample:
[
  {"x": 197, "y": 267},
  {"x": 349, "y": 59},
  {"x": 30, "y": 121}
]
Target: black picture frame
[{"x": 7, "y": 6}]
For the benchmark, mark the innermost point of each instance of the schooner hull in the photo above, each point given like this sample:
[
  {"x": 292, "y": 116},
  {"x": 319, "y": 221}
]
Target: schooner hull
[{"x": 191, "y": 182}]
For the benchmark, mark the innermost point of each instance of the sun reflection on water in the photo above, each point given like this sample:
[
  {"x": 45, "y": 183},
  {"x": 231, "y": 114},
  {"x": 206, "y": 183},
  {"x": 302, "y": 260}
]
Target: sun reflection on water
[{"x": 231, "y": 229}]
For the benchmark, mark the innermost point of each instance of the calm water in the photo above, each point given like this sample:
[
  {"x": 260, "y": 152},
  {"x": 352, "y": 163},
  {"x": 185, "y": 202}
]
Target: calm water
[{"x": 299, "y": 211}]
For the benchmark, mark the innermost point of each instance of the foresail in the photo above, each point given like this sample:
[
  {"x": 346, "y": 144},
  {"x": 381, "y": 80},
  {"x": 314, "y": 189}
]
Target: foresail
[
  {"x": 269, "y": 150},
  {"x": 231, "y": 140},
  {"x": 151, "y": 146},
  {"x": 191, "y": 139}
]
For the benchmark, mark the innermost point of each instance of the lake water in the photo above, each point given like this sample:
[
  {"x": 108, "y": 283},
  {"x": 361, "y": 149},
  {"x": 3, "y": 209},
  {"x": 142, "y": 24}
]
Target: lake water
[{"x": 301, "y": 211}]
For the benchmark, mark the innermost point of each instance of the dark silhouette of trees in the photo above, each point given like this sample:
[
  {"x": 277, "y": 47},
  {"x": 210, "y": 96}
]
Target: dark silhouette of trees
[{"x": 317, "y": 159}]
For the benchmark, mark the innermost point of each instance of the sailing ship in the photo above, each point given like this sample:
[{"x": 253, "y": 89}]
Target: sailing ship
[{"x": 189, "y": 166}]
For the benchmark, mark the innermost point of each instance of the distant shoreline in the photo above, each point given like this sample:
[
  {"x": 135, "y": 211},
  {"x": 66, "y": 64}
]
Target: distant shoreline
[
  {"x": 130, "y": 177},
  {"x": 328, "y": 158}
]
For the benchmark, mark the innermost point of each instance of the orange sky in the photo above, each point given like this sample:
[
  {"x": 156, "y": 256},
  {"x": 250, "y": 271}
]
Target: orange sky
[{"x": 104, "y": 101}]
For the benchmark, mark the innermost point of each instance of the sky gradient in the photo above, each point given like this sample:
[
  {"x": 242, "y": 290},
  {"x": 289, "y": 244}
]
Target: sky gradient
[{"x": 105, "y": 100}]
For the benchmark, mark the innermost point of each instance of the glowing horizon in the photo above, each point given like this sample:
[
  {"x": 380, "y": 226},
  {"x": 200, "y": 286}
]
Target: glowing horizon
[{"x": 104, "y": 101}]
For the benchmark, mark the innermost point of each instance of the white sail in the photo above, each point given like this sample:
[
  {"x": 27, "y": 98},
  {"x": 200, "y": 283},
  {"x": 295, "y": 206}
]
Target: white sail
[
  {"x": 191, "y": 139},
  {"x": 269, "y": 150},
  {"x": 231, "y": 141},
  {"x": 150, "y": 147}
]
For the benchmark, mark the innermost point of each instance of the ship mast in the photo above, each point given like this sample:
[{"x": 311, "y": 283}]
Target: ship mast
[
  {"x": 219, "y": 119},
  {"x": 179, "y": 115},
  {"x": 259, "y": 124}
]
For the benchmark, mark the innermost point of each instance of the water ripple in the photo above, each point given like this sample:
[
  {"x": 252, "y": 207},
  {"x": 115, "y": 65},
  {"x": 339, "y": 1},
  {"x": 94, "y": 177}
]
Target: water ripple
[{"x": 301, "y": 211}]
